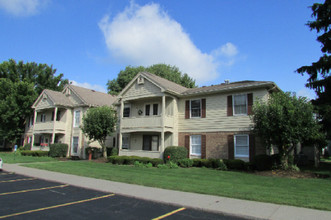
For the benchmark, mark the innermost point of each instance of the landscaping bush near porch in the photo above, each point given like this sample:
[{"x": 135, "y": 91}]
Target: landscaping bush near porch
[
  {"x": 35, "y": 153},
  {"x": 130, "y": 160},
  {"x": 174, "y": 153},
  {"x": 58, "y": 150}
]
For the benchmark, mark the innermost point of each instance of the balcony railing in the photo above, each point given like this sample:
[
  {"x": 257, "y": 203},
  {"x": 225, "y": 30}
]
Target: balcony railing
[
  {"x": 147, "y": 122},
  {"x": 48, "y": 126}
]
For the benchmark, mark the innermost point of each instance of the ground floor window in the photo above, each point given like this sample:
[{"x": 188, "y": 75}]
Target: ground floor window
[
  {"x": 241, "y": 145},
  {"x": 195, "y": 145},
  {"x": 151, "y": 142},
  {"x": 75, "y": 145},
  {"x": 125, "y": 141}
]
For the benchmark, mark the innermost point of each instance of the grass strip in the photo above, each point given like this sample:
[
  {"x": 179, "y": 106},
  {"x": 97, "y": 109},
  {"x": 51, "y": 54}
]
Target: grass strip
[{"x": 309, "y": 193}]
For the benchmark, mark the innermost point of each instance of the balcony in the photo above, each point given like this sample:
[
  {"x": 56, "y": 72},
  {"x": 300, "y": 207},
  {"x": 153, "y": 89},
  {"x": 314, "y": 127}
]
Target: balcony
[
  {"x": 146, "y": 123},
  {"x": 47, "y": 127}
]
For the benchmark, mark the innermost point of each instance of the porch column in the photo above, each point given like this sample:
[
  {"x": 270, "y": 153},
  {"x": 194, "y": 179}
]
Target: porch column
[
  {"x": 163, "y": 122},
  {"x": 34, "y": 123},
  {"x": 54, "y": 121},
  {"x": 120, "y": 126}
]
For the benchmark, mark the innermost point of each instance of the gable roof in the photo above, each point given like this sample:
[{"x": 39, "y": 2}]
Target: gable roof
[
  {"x": 91, "y": 97},
  {"x": 88, "y": 96},
  {"x": 247, "y": 84}
]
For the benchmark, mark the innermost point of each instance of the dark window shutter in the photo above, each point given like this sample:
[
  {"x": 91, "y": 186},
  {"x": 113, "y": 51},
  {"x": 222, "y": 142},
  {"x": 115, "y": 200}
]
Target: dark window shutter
[
  {"x": 251, "y": 147},
  {"x": 230, "y": 111},
  {"x": 249, "y": 103},
  {"x": 230, "y": 147},
  {"x": 118, "y": 138},
  {"x": 203, "y": 146},
  {"x": 203, "y": 106},
  {"x": 187, "y": 145},
  {"x": 187, "y": 109}
]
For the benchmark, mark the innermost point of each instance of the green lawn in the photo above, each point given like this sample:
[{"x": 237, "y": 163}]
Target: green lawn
[
  {"x": 310, "y": 193},
  {"x": 9, "y": 157}
]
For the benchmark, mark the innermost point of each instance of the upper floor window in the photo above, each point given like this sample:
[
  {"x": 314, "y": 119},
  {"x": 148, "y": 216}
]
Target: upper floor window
[
  {"x": 241, "y": 145},
  {"x": 77, "y": 119},
  {"x": 153, "y": 111},
  {"x": 240, "y": 104},
  {"x": 195, "y": 108},
  {"x": 58, "y": 115},
  {"x": 126, "y": 110},
  {"x": 43, "y": 118}
]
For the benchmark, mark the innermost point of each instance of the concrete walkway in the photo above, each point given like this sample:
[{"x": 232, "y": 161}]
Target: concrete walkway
[{"x": 236, "y": 207}]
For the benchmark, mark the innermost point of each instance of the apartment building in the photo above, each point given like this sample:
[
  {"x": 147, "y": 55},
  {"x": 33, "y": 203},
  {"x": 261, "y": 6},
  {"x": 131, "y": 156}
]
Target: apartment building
[
  {"x": 211, "y": 122},
  {"x": 58, "y": 116}
]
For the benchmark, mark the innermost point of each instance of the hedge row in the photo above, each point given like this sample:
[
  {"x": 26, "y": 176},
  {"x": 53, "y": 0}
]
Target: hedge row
[
  {"x": 130, "y": 160},
  {"x": 35, "y": 153},
  {"x": 58, "y": 150},
  {"x": 175, "y": 153}
]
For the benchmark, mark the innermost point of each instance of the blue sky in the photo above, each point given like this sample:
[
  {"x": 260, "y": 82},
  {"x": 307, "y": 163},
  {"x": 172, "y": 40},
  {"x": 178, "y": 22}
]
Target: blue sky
[{"x": 90, "y": 41}]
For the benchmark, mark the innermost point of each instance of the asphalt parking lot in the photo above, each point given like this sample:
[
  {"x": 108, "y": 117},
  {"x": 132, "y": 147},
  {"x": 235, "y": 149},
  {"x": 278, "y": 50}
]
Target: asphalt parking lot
[{"x": 23, "y": 197}]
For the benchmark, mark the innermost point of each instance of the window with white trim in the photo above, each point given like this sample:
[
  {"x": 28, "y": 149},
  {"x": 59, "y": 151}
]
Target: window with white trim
[
  {"x": 241, "y": 145},
  {"x": 43, "y": 118},
  {"x": 125, "y": 141},
  {"x": 195, "y": 108},
  {"x": 77, "y": 118},
  {"x": 75, "y": 145},
  {"x": 126, "y": 110},
  {"x": 240, "y": 104},
  {"x": 195, "y": 145},
  {"x": 152, "y": 111}
]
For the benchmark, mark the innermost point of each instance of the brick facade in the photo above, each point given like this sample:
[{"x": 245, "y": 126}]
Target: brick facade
[{"x": 217, "y": 143}]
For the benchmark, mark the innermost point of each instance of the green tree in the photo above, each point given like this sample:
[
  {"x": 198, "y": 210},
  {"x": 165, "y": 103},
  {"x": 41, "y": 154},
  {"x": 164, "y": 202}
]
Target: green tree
[
  {"x": 21, "y": 83},
  {"x": 319, "y": 72},
  {"x": 98, "y": 124},
  {"x": 171, "y": 73},
  {"x": 41, "y": 75},
  {"x": 284, "y": 121},
  {"x": 16, "y": 99}
]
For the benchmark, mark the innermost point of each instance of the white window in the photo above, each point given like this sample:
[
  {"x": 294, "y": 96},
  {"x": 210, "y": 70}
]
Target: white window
[
  {"x": 43, "y": 118},
  {"x": 240, "y": 104},
  {"x": 151, "y": 111},
  {"x": 75, "y": 145},
  {"x": 77, "y": 118},
  {"x": 126, "y": 110},
  {"x": 195, "y": 145},
  {"x": 241, "y": 145},
  {"x": 125, "y": 141},
  {"x": 195, "y": 108}
]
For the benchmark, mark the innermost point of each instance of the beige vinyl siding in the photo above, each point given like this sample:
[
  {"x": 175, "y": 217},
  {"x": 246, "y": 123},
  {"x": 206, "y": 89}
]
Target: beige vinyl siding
[
  {"x": 44, "y": 103},
  {"x": 216, "y": 115},
  {"x": 147, "y": 89}
]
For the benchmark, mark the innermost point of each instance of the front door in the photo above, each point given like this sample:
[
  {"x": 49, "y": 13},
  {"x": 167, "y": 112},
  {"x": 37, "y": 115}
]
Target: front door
[
  {"x": 151, "y": 142},
  {"x": 147, "y": 142}
]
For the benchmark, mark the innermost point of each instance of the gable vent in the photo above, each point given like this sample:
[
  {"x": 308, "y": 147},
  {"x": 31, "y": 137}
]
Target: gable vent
[{"x": 140, "y": 80}]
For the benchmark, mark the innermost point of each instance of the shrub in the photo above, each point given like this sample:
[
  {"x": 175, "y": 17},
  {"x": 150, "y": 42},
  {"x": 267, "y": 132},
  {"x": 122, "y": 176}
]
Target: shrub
[
  {"x": 112, "y": 151},
  {"x": 35, "y": 153},
  {"x": 174, "y": 153},
  {"x": 58, "y": 150},
  {"x": 262, "y": 162},
  {"x": 196, "y": 162},
  {"x": 185, "y": 162},
  {"x": 131, "y": 160},
  {"x": 235, "y": 164}
]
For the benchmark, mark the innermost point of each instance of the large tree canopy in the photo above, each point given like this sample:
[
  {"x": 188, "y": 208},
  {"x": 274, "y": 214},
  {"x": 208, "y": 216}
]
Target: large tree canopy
[
  {"x": 319, "y": 72},
  {"x": 171, "y": 73},
  {"x": 41, "y": 75},
  {"x": 284, "y": 121},
  {"x": 20, "y": 85},
  {"x": 98, "y": 124}
]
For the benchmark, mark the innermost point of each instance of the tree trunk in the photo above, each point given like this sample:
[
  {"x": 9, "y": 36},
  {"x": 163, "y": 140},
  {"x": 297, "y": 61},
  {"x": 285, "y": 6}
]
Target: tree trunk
[{"x": 316, "y": 156}]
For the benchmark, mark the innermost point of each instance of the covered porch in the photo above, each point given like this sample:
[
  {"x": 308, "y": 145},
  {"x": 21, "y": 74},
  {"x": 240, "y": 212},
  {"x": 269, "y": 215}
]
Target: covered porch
[
  {"x": 41, "y": 141},
  {"x": 145, "y": 144}
]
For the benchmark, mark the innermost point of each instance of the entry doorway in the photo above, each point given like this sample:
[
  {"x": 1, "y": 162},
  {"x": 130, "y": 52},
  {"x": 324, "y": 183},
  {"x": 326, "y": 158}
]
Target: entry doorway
[{"x": 150, "y": 142}]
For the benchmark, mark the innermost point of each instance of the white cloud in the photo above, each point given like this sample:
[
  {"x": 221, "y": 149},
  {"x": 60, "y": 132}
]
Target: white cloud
[
  {"x": 86, "y": 85},
  {"x": 305, "y": 92},
  {"x": 228, "y": 50},
  {"x": 22, "y": 7},
  {"x": 146, "y": 35}
]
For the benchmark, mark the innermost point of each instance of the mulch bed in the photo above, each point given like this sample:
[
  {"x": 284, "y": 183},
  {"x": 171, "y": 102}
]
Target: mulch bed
[{"x": 290, "y": 174}]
